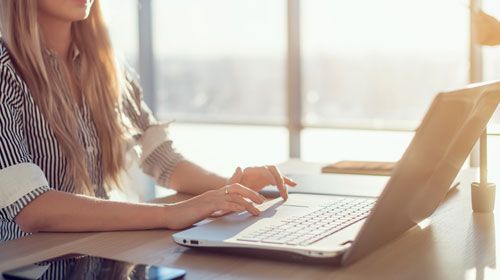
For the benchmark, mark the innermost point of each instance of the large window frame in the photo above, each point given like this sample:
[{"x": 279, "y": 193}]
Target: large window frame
[{"x": 294, "y": 94}]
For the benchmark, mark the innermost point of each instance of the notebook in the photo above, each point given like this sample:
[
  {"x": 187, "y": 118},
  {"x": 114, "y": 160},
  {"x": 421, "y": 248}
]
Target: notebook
[{"x": 360, "y": 167}]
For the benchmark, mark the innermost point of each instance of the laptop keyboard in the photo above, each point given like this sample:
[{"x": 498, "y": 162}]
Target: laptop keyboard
[{"x": 314, "y": 226}]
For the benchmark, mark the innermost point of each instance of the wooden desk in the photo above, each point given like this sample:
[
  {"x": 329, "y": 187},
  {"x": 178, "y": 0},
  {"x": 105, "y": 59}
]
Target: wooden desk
[{"x": 456, "y": 245}]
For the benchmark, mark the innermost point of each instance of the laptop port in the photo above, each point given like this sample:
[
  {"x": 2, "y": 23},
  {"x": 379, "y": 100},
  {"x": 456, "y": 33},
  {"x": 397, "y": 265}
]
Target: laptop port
[{"x": 194, "y": 242}]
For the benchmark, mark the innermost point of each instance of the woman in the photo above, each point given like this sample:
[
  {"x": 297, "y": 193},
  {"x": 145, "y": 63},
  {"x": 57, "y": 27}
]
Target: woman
[{"x": 67, "y": 115}]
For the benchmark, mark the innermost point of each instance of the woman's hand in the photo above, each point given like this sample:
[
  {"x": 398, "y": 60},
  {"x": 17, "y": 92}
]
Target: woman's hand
[
  {"x": 257, "y": 178},
  {"x": 231, "y": 198}
]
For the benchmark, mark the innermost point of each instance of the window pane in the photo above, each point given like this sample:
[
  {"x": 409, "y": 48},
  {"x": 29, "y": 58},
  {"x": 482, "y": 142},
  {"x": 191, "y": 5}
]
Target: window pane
[
  {"x": 224, "y": 147},
  {"x": 380, "y": 61},
  {"x": 121, "y": 18},
  {"x": 332, "y": 145},
  {"x": 221, "y": 148},
  {"x": 220, "y": 60}
]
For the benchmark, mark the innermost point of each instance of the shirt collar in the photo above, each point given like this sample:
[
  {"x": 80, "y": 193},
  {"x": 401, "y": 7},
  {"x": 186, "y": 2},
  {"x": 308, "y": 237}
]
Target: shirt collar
[{"x": 74, "y": 52}]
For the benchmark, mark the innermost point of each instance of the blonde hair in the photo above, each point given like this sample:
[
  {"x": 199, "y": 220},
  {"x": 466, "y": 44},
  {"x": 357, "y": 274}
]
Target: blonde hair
[{"x": 98, "y": 79}]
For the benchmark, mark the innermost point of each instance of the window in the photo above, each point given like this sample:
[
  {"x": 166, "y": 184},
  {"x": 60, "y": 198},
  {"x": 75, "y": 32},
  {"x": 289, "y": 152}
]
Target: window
[
  {"x": 222, "y": 148},
  {"x": 332, "y": 145},
  {"x": 121, "y": 18},
  {"x": 379, "y": 63},
  {"x": 365, "y": 64},
  {"x": 220, "y": 60}
]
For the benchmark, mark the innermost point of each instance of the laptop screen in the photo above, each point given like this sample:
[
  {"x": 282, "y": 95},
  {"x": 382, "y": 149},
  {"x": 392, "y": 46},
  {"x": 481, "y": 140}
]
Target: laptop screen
[{"x": 444, "y": 139}]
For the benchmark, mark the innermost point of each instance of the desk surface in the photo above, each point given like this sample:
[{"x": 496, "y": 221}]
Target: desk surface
[{"x": 457, "y": 244}]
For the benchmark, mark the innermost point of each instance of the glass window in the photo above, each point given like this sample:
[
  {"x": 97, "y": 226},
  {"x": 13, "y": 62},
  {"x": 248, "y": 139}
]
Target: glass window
[
  {"x": 332, "y": 145},
  {"x": 220, "y": 60},
  {"x": 221, "y": 148},
  {"x": 121, "y": 18},
  {"x": 380, "y": 62}
]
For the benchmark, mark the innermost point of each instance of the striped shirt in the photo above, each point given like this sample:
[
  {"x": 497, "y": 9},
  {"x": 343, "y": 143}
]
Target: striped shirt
[{"x": 32, "y": 162}]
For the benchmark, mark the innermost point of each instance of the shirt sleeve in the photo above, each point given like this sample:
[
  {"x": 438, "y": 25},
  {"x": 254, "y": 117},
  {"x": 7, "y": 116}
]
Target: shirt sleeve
[
  {"x": 158, "y": 157},
  {"x": 21, "y": 181}
]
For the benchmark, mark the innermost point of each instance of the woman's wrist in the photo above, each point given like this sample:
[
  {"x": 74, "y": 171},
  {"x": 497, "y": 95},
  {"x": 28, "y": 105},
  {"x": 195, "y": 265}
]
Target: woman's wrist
[
  {"x": 171, "y": 218},
  {"x": 221, "y": 181},
  {"x": 184, "y": 214}
]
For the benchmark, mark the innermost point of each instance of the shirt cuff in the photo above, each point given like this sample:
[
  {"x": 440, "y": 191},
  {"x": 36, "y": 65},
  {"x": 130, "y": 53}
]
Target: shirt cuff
[
  {"x": 152, "y": 138},
  {"x": 10, "y": 212},
  {"x": 158, "y": 158},
  {"x": 18, "y": 180},
  {"x": 161, "y": 163}
]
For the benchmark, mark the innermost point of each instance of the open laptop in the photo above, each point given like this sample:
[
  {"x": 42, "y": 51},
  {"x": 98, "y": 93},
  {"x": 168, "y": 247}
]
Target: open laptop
[{"x": 343, "y": 229}]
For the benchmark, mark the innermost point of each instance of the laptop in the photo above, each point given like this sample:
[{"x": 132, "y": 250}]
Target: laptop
[{"x": 343, "y": 229}]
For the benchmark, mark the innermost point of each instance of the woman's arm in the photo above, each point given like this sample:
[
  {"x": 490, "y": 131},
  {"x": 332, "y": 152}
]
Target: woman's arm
[
  {"x": 56, "y": 211},
  {"x": 60, "y": 211},
  {"x": 188, "y": 177}
]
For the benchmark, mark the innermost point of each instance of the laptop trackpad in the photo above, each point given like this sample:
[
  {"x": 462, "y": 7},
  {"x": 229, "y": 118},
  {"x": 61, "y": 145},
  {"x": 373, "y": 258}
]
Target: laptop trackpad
[
  {"x": 276, "y": 208},
  {"x": 229, "y": 226}
]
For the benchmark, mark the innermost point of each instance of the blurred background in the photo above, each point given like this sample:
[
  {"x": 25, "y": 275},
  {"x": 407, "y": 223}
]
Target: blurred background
[{"x": 366, "y": 70}]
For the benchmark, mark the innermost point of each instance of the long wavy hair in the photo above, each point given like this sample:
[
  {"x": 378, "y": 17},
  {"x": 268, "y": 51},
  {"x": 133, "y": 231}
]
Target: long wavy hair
[{"x": 97, "y": 78}]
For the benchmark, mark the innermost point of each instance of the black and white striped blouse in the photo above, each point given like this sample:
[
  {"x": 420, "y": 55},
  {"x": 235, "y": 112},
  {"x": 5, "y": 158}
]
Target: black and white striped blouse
[{"x": 32, "y": 162}]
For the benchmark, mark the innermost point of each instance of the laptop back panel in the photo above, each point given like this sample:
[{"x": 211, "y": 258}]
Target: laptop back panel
[{"x": 433, "y": 159}]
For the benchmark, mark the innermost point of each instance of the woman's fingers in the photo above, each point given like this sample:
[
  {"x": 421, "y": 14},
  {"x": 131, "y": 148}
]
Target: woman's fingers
[
  {"x": 280, "y": 182},
  {"x": 245, "y": 192},
  {"x": 227, "y": 206},
  {"x": 290, "y": 182},
  {"x": 234, "y": 207},
  {"x": 236, "y": 198},
  {"x": 237, "y": 176},
  {"x": 265, "y": 175}
]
